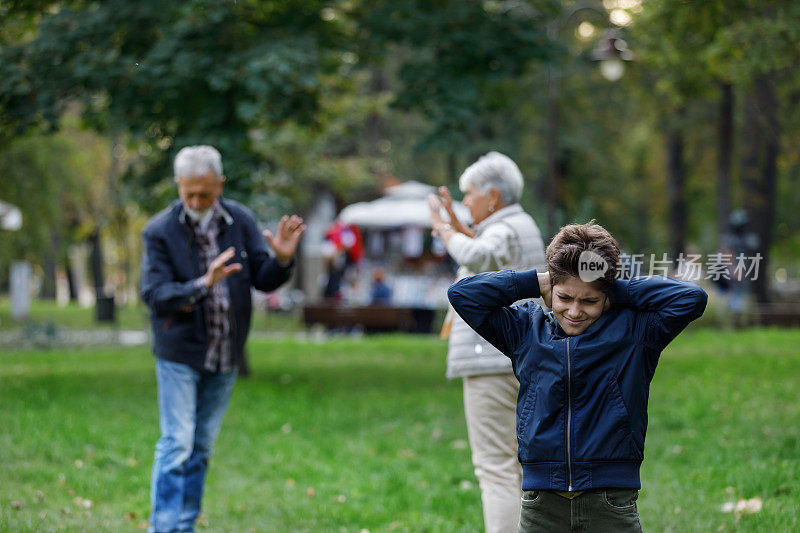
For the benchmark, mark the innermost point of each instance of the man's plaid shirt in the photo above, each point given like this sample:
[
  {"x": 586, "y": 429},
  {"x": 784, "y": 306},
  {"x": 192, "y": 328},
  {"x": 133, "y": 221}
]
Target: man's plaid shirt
[{"x": 217, "y": 304}]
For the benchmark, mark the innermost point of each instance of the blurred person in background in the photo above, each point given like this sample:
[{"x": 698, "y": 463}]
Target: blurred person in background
[
  {"x": 503, "y": 236},
  {"x": 200, "y": 312},
  {"x": 380, "y": 293}
]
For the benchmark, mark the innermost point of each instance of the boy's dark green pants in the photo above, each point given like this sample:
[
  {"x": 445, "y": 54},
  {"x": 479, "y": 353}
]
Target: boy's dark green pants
[{"x": 591, "y": 511}]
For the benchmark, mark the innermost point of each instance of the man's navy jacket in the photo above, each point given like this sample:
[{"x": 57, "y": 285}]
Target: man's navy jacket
[
  {"x": 170, "y": 269},
  {"x": 582, "y": 404}
]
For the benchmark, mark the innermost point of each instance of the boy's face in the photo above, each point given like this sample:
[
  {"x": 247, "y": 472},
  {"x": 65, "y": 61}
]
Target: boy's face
[{"x": 577, "y": 305}]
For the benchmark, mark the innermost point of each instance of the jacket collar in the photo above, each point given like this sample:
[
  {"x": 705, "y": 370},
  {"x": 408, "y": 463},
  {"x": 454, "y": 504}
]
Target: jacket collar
[
  {"x": 506, "y": 212},
  {"x": 218, "y": 207}
]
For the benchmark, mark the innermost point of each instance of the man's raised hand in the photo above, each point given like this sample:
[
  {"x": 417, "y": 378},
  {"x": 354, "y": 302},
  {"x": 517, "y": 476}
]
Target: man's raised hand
[
  {"x": 284, "y": 243},
  {"x": 218, "y": 270}
]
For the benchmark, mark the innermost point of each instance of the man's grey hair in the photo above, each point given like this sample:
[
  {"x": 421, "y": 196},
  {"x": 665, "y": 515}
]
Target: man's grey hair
[
  {"x": 494, "y": 170},
  {"x": 196, "y": 161}
]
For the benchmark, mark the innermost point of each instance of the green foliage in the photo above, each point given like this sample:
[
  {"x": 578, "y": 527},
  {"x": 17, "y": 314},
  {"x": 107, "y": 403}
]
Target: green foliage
[
  {"x": 174, "y": 73},
  {"x": 457, "y": 57},
  {"x": 304, "y": 95},
  {"x": 50, "y": 179}
]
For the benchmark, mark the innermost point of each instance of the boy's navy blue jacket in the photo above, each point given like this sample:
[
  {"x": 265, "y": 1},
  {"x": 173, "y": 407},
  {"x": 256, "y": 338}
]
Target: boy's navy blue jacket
[
  {"x": 582, "y": 404},
  {"x": 170, "y": 270}
]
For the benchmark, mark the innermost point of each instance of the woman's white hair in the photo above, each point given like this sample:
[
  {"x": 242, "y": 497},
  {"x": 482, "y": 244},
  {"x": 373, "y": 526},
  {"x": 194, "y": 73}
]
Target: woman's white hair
[
  {"x": 196, "y": 161},
  {"x": 494, "y": 170}
]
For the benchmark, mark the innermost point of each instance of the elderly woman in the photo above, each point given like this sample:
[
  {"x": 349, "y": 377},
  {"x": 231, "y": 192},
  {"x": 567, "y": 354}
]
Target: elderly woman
[{"x": 504, "y": 237}]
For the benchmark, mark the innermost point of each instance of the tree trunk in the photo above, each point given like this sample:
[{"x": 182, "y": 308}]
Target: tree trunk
[
  {"x": 73, "y": 287},
  {"x": 724, "y": 157},
  {"x": 676, "y": 184},
  {"x": 49, "y": 282},
  {"x": 642, "y": 240},
  {"x": 760, "y": 139},
  {"x": 759, "y": 173},
  {"x": 96, "y": 262}
]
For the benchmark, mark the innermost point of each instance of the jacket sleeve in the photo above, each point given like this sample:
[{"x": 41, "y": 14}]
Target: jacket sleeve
[
  {"x": 484, "y": 302},
  {"x": 670, "y": 305},
  {"x": 266, "y": 271},
  {"x": 479, "y": 254},
  {"x": 159, "y": 290}
]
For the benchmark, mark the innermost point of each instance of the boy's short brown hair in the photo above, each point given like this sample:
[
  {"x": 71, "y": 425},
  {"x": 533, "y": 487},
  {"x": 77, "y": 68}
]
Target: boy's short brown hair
[{"x": 564, "y": 251}]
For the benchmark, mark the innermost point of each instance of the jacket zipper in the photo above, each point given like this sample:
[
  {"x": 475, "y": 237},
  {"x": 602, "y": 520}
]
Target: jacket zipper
[{"x": 569, "y": 418}]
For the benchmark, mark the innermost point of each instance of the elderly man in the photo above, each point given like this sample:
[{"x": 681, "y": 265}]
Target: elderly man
[{"x": 202, "y": 255}]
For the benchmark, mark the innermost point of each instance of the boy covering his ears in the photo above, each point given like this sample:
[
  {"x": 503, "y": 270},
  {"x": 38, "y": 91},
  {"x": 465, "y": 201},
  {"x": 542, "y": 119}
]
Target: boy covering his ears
[{"x": 584, "y": 371}]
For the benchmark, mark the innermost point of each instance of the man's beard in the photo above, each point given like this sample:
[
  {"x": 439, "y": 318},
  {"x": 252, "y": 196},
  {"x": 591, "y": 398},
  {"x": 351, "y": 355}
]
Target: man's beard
[{"x": 196, "y": 215}]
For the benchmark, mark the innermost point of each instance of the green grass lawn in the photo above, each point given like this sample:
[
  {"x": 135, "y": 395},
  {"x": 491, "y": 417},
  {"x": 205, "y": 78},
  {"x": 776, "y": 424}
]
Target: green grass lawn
[{"x": 368, "y": 434}]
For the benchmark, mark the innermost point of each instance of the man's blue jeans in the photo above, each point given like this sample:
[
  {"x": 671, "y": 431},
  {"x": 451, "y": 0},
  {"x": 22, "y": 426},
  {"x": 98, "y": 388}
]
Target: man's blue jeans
[{"x": 191, "y": 405}]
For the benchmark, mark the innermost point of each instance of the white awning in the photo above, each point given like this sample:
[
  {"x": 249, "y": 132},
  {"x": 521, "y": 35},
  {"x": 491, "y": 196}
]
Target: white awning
[{"x": 404, "y": 205}]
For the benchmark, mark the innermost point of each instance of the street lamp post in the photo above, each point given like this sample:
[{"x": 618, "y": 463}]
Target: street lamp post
[
  {"x": 612, "y": 52},
  {"x": 611, "y": 62}
]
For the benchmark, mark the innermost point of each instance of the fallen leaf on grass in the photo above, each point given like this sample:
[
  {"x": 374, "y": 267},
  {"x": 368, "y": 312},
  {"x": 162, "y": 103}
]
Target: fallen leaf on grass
[
  {"x": 465, "y": 485},
  {"x": 39, "y": 496},
  {"x": 81, "y": 502},
  {"x": 18, "y": 504},
  {"x": 407, "y": 453},
  {"x": 310, "y": 492},
  {"x": 130, "y": 515},
  {"x": 751, "y": 506}
]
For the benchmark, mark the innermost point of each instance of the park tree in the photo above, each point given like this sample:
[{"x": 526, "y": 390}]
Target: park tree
[
  {"x": 457, "y": 64},
  {"x": 714, "y": 51},
  {"x": 668, "y": 35},
  {"x": 313, "y": 95},
  {"x": 172, "y": 73},
  {"x": 758, "y": 51},
  {"x": 156, "y": 76}
]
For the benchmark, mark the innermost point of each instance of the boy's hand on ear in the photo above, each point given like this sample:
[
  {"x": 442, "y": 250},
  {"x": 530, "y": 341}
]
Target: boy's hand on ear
[{"x": 545, "y": 289}]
